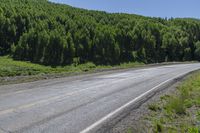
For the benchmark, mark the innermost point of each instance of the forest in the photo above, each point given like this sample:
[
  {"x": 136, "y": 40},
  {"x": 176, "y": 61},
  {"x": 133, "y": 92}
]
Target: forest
[{"x": 53, "y": 34}]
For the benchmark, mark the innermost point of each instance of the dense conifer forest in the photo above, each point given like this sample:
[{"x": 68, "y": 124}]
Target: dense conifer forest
[{"x": 54, "y": 34}]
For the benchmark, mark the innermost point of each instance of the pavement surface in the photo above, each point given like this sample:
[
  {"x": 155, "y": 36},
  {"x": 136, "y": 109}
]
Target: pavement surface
[{"x": 80, "y": 103}]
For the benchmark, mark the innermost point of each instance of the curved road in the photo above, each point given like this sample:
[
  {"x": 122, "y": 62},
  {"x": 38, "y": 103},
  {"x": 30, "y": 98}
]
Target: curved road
[{"x": 79, "y": 103}]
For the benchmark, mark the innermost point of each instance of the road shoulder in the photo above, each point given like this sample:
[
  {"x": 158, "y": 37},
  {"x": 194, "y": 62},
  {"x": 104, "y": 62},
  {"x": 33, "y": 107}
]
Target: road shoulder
[{"x": 134, "y": 118}]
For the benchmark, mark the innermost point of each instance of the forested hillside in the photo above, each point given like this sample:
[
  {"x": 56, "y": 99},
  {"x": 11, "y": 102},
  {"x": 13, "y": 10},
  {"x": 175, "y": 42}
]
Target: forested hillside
[{"x": 53, "y": 34}]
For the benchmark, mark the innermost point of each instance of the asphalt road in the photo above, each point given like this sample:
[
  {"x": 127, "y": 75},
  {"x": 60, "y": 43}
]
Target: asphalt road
[{"x": 81, "y": 103}]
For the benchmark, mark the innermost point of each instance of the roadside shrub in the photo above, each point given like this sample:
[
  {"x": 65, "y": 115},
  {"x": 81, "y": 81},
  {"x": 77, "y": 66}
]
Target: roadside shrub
[
  {"x": 158, "y": 127},
  {"x": 193, "y": 130},
  {"x": 188, "y": 103},
  {"x": 176, "y": 105},
  {"x": 154, "y": 107}
]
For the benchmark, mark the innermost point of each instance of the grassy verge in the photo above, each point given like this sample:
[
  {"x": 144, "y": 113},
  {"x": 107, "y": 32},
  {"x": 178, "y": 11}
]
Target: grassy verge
[
  {"x": 178, "y": 112},
  {"x": 10, "y": 68}
]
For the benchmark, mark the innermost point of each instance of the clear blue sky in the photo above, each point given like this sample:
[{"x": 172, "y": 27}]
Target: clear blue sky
[{"x": 155, "y": 8}]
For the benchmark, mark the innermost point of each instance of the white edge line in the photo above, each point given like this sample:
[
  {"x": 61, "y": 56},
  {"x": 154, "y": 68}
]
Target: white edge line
[{"x": 97, "y": 123}]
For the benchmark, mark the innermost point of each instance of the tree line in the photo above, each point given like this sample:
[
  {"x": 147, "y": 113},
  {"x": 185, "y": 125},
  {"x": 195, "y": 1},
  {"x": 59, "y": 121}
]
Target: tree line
[{"x": 54, "y": 34}]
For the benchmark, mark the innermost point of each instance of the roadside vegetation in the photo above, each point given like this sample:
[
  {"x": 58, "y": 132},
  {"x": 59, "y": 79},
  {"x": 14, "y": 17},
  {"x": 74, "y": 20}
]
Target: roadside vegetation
[
  {"x": 55, "y": 34},
  {"x": 178, "y": 112},
  {"x": 10, "y": 67}
]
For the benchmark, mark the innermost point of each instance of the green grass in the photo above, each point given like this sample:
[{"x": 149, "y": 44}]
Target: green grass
[
  {"x": 10, "y": 68},
  {"x": 154, "y": 107},
  {"x": 178, "y": 112}
]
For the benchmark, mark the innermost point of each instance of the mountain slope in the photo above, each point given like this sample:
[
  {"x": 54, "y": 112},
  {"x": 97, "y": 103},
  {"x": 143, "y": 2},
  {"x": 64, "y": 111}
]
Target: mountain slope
[{"x": 54, "y": 34}]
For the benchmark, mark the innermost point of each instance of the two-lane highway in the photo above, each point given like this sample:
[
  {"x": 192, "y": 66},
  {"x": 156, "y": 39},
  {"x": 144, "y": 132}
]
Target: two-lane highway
[{"x": 72, "y": 105}]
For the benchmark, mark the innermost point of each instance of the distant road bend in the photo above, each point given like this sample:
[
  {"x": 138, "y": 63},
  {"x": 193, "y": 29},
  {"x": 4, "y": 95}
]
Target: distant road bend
[{"x": 80, "y": 103}]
